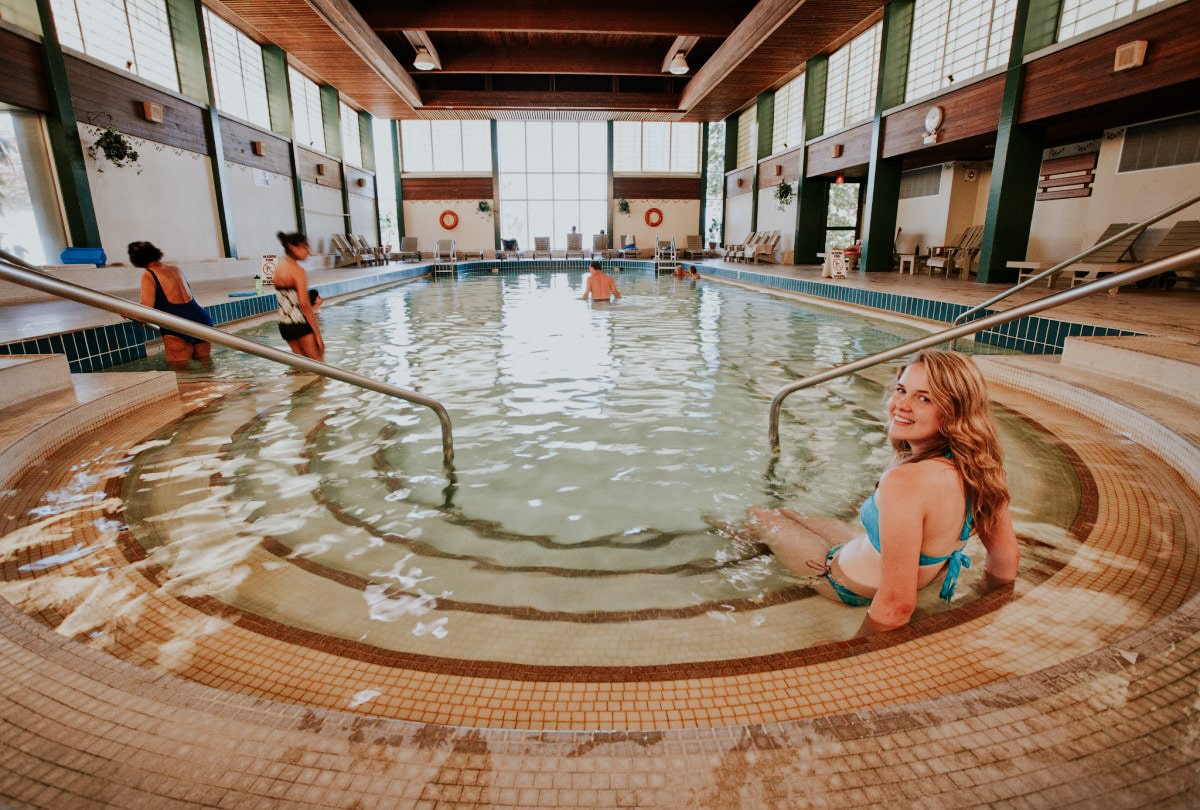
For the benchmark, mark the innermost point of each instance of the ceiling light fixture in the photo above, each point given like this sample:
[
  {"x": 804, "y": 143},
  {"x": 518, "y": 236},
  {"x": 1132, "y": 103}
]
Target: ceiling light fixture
[
  {"x": 679, "y": 65},
  {"x": 423, "y": 61}
]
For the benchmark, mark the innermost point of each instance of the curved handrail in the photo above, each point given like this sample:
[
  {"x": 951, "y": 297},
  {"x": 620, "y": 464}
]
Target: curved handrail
[
  {"x": 1065, "y": 262},
  {"x": 19, "y": 272},
  {"x": 1187, "y": 257}
]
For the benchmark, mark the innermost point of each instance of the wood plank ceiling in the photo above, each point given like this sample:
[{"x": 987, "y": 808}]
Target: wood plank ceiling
[{"x": 565, "y": 60}]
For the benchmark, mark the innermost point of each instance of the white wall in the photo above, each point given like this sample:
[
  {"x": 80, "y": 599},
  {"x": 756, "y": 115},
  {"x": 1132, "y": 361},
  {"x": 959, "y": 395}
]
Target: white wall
[
  {"x": 322, "y": 215},
  {"x": 170, "y": 203},
  {"x": 680, "y": 218},
  {"x": 738, "y": 212},
  {"x": 261, "y": 205},
  {"x": 364, "y": 218},
  {"x": 770, "y": 218},
  {"x": 475, "y": 231}
]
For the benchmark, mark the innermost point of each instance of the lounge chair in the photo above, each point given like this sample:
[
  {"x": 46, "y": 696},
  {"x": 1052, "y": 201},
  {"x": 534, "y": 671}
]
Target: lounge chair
[
  {"x": 1106, "y": 260},
  {"x": 944, "y": 258},
  {"x": 693, "y": 247},
  {"x": 409, "y": 250},
  {"x": 346, "y": 252},
  {"x": 600, "y": 246},
  {"x": 764, "y": 250},
  {"x": 734, "y": 249},
  {"x": 377, "y": 253},
  {"x": 749, "y": 249},
  {"x": 1183, "y": 235},
  {"x": 541, "y": 247},
  {"x": 664, "y": 250},
  {"x": 509, "y": 249},
  {"x": 628, "y": 247},
  {"x": 574, "y": 245},
  {"x": 444, "y": 251}
]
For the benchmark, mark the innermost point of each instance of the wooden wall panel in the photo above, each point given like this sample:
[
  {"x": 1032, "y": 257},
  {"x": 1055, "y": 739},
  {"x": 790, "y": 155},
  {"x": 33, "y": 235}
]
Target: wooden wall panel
[
  {"x": 237, "y": 140},
  {"x": 314, "y": 167},
  {"x": 855, "y": 147},
  {"x": 104, "y": 96},
  {"x": 448, "y": 188},
  {"x": 970, "y": 111},
  {"x": 746, "y": 176},
  {"x": 367, "y": 187},
  {"x": 1082, "y": 75},
  {"x": 663, "y": 187},
  {"x": 22, "y": 81},
  {"x": 774, "y": 170}
]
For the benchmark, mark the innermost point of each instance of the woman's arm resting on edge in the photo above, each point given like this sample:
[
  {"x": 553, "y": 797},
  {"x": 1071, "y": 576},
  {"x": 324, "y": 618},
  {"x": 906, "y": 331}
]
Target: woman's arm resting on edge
[{"x": 1003, "y": 551}]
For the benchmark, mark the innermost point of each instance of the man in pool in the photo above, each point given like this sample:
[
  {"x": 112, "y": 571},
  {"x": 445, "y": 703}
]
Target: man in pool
[{"x": 600, "y": 285}]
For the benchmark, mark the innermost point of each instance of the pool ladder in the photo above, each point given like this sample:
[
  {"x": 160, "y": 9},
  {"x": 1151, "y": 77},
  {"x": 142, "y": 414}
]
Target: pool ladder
[{"x": 18, "y": 271}]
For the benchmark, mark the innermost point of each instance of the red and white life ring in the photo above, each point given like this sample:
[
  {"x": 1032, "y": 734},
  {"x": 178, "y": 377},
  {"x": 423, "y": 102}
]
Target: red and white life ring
[
  {"x": 448, "y": 220},
  {"x": 654, "y": 217}
]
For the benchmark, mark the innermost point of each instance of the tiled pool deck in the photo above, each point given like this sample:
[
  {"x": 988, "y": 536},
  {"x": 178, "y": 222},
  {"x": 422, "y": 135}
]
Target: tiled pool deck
[{"x": 1079, "y": 691}]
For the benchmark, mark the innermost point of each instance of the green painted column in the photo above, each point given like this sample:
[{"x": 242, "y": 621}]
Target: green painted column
[
  {"x": 331, "y": 123},
  {"x": 196, "y": 81},
  {"x": 731, "y": 142},
  {"x": 65, "y": 146},
  {"x": 764, "y": 116},
  {"x": 279, "y": 103},
  {"x": 883, "y": 176},
  {"x": 1018, "y": 158},
  {"x": 811, "y": 197},
  {"x": 495, "y": 134},
  {"x": 609, "y": 173},
  {"x": 366, "y": 140},
  {"x": 703, "y": 180}
]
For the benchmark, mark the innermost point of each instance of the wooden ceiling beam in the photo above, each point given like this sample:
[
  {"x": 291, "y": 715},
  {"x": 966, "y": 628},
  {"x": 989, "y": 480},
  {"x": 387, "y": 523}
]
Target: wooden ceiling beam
[
  {"x": 469, "y": 99},
  {"x": 591, "y": 61},
  {"x": 702, "y": 18}
]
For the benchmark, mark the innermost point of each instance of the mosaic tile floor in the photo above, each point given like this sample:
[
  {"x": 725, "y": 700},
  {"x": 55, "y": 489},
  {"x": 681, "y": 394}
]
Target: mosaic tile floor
[{"x": 1080, "y": 690}]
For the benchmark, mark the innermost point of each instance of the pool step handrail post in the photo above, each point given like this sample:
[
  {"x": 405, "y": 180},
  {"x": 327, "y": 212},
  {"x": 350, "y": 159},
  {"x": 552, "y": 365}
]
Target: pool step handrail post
[
  {"x": 1050, "y": 271},
  {"x": 18, "y": 271},
  {"x": 1179, "y": 260}
]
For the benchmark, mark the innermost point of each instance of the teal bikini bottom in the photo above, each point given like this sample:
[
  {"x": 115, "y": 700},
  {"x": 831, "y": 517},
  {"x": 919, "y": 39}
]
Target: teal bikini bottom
[{"x": 847, "y": 595}]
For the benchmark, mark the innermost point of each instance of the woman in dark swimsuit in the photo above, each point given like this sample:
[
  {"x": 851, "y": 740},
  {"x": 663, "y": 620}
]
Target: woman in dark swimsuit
[
  {"x": 165, "y": 289},
  {"x": 297, "y": 320}
]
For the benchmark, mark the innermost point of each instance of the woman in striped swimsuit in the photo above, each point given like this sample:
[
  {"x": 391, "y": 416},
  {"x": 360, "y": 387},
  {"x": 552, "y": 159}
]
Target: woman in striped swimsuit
[{"x": 297, "y": 320}]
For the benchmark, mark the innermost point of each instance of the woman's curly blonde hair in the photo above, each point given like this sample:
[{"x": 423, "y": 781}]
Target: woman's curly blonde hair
[{"x": 959, "y": 392}]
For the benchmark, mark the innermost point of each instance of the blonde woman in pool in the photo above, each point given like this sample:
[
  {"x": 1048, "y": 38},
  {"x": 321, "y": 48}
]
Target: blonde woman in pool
[{"x": 944, "y": 481}]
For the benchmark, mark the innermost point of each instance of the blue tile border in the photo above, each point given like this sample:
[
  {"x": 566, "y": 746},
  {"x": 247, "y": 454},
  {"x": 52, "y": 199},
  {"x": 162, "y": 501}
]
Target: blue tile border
[{"x": 97, "y": 348}]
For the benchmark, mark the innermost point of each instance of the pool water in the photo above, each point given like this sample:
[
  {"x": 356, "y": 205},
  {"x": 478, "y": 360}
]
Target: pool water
[{"x": 594, "y": 443}]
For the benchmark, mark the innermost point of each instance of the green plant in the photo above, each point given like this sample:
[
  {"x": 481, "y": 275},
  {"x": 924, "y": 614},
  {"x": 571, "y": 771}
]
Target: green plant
[
  {"x": 623, "y": 206},
  {"x": 116, "y": 148},
  {"x": 484, "y": 207},
  {"x": 714, "y": 228},
  {"x": 784, "y": 194}
]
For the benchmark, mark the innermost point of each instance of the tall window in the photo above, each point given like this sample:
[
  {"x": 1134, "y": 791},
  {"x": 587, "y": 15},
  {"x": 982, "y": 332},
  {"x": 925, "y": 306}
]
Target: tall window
[
  {"x": 654, "y": 147},
  {"x": 446, "y": 146},
  {"x": 747, "y": 137},
  {"x": 714, "y": 194},
  {"x": 789, "y": 115},
  {"x": 239, "y": 81},
  {"x": 853, "y": 70},
  {"x": 308, "y": 129},
  {"x": 552, "y": 176},
  {"x": 133, "y": 35},
  {"x": 954, "y": 40},
  {"x": 351, "y": 140},
  {"x": 1079, "y": 16},
  {"x": 31, "y": 223}
]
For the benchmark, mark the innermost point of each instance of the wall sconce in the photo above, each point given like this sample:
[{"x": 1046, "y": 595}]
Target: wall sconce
[
  {"x": 321, "y": 169},
  {"x": 152, "y": 112},
  {"x": 361, "y": 182},
  {"x": 778, "y": 170},
  {"x": 839, "y": 180},
  {"x": 1130, "y": 55},
  {"x": 258, "y": 147},
  {"x": 741, "y": 181},
  {"x": 836, "y": 150}
]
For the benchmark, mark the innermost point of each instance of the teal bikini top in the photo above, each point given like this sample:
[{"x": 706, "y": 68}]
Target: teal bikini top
[{"x": 956, "y": 560}]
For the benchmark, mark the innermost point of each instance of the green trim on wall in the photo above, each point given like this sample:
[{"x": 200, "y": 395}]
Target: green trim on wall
[
  {"x": 398, "y": 185},
  {"x": 611, "y": 201},
  {"x": 878, "y": 224},
  {"x": 1041, "y": 27},
  {"x": 279, "y": 101},
  {"x": 366, "y": 140},
  {"x": 816, "y": 81},
  {"x": 331, "y": 120},
  {"x": 703, "y": 181},
  {"x": 898, "y": 25},
  {"x": 191, "y": 55},
  {"x": 65, "y": 147},
  {"x": 191, "y": 52},
  {"x": 495, "y": 136},
  {"x": 765, "y": 115},
  {"x": 731, "y": 143}
]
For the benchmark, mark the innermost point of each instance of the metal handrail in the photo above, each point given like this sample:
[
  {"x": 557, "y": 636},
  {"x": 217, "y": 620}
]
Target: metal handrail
[
  {"x": 1065, "y": 262},
  {"x": 20, "y": 272},
  {"x": 1187, "y": 257}
]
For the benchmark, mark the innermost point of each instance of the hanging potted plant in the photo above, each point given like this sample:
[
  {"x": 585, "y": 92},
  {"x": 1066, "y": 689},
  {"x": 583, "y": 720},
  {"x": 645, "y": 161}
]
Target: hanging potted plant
[
  {"x": 623, "y": 206},
  {"x": 484, "y": 207},
  {"x": 784, "y": 194},
  {"x": 116, "y": 148},
  {"x": 714, "y": 227}
]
